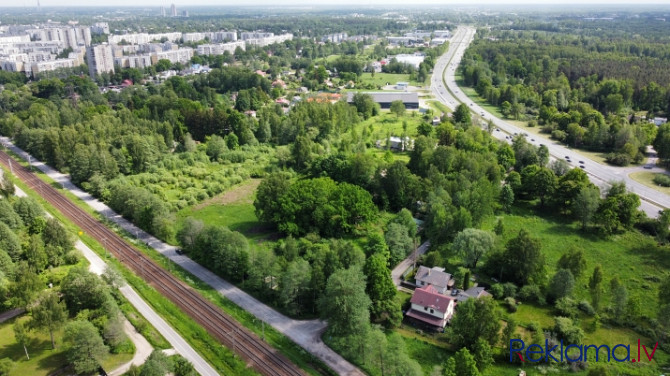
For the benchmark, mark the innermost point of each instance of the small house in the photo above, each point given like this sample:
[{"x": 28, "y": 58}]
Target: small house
[
  {"x": 431, "y": 308},
  {"x": 435, "y": 277}
]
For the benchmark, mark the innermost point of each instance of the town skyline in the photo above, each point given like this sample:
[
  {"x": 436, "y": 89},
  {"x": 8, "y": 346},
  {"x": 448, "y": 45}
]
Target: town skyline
[{"x": 157, "y": 3}]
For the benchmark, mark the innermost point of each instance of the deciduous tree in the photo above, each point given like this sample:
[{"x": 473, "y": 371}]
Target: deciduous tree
[
  {"x": 344, "y": 303},
  {"x": 86, "y": 348},
  {"x": 49, "y": 314},
  {"x": 472, "y": 244}
]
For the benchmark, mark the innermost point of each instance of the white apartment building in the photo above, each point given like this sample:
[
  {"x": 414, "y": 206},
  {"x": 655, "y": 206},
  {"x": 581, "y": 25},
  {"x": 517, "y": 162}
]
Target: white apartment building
[
  {"x": 220, "y": 49},
  {"x": 266, "y": 41},
  {"x": 100, "y": 59}
]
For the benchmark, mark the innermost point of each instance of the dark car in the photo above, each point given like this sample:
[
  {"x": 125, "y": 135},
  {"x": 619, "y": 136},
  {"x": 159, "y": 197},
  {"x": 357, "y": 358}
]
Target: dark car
[
  {"x": 179, "y": 251},
  {"x": 582, "y": 162},
  {"x": 567, "y": 157}
]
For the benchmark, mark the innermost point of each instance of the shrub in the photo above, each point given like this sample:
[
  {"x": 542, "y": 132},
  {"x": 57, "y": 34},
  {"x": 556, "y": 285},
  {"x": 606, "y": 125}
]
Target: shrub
[
  {"x": 566, "y": 330},
  {"x": 72, "y": 257},
  {"x": 509, "y": 290},
  {"x": 511, "y": 304},
  {"x": 585, "y": 307},
  {"x": 532, "y": 293},
  {"x": 662, "y": 180},
  {"x": 497, "y": 291},
  {"x": 618, "y": 159},
  {"x": 566, "y": 307}
]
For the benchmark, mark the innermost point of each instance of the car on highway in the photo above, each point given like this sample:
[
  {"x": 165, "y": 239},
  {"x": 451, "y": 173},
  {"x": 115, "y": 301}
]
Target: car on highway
[
  {"x": 567, "y": 157},
  {"x": 532, "y": 139},
  {"x": 581, "y": 162},
  {"x": 581, "y": 166},
  {"x": 178, "y": 251},
  {"x": 648, "y": 167}
]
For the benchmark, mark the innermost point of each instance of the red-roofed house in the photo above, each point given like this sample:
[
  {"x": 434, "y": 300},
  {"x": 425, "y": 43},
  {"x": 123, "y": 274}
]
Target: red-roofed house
[{"x": 430, "y": 307}]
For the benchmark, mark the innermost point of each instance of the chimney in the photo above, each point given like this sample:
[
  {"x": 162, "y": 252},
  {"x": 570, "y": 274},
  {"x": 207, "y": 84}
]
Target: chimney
[{"x": 429, "y": 270}]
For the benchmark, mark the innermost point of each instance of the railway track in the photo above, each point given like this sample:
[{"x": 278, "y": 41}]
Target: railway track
[{"x": 258, "y": 354}]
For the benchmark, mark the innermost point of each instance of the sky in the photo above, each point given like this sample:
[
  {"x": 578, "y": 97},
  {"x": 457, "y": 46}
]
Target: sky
[{"x": 362, "y": 3}]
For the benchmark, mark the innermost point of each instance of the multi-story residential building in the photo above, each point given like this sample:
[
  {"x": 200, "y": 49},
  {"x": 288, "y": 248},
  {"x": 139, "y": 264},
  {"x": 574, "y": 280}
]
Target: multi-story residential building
[
  {"x": 100, "y": 59},
  {"x": 219, "y": 49},
  {"x": 100, "y": 28}
]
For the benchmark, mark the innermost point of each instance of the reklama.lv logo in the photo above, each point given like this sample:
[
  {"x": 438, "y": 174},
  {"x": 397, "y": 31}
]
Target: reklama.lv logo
[{"x": 569, "y": 353}]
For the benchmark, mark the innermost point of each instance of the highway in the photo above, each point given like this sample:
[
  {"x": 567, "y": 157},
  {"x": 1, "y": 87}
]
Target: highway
[{"x": 451, "y": 95}]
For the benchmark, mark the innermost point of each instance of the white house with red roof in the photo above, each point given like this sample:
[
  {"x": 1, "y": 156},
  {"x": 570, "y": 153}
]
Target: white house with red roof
[{"x": 430, "y": 307}]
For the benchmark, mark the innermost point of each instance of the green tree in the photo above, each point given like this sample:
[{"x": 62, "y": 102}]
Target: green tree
[
  {"x": 506, "y": 198},
  {"x": 26, "y": 284},
  {"x": 382, "y": 291},
  {"x": 586, "y": 204},
  {"x": 574, "y": 261},
  {"x": 664, "y": 291},
  {"x": 472, "y": 244},
  {"x": 189, "y": 232},
  {"x": 405, "y": 218},
  {"x": 662, "y": 142},
  {"x": 398, "y": 108},
  {"x": 268, "y": 193},
  {"x": 6, "y": 366},
  {"x": 595, "y": 287},
  {"x": 35, "y": 254},
  {"x": 619, "y": 298},
  {"x": 7, "y": 188},
  {"x": 476, "y": 318},
  {"x": 483, "y": 354},
  {"x": 83, "y": 290},
  {"x": 48, "y": 313},
  {"x": 561, "y": 284},
  {"x": 344, "y": 303},
  {"x": 295, "y": 283},
  {"x": 462, "y": 115},
  {"x": 509, "y": 332},
  {"x": 216, "y": 147},
  {"x": 28, "y": 209},
  {"x": 464, "y": 364},
  {"x": 8, "y": 216},
  {"x": 399, "y": 243},
  {"x": 21, "y": 335},
  {"x": 523, "y": 259},
  {"x": 86, "y": 348},
  {"x": 9, "y": 242}
]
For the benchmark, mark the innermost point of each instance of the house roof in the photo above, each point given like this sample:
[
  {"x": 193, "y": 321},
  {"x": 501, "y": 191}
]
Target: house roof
[
  {"x": 389, "y": 97},
  {"x": 433, "y": 276},
  {"x": 428, "y": 296},
  {"x": 472, "y": 292}
]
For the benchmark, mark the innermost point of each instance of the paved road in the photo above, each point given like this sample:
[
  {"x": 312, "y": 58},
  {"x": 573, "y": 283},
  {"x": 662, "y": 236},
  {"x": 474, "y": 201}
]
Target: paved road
[
  {"x": 142, "y": 349},
  {"x": 601, "y": 175},
  {"x": 306, "y": 333},
  {"x": 396, "y": 273}
]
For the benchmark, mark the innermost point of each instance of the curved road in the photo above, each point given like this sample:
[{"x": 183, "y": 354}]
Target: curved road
[{"x": 445, "y": 89}]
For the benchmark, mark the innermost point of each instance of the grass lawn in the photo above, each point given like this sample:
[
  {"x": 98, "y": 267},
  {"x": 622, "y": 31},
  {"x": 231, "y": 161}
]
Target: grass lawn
[
  {"x": 645, "y": 260},
  {"x": 43, "y": 360},
  {"x": 381, "y": 79},
  {"x": 233, "y": 209},
  {"x": 438, "y": 107},
  {"x": 647, "y": 178}
]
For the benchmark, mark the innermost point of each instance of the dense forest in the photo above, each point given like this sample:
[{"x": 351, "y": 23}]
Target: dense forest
[{"x": 587, "y": 84}]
